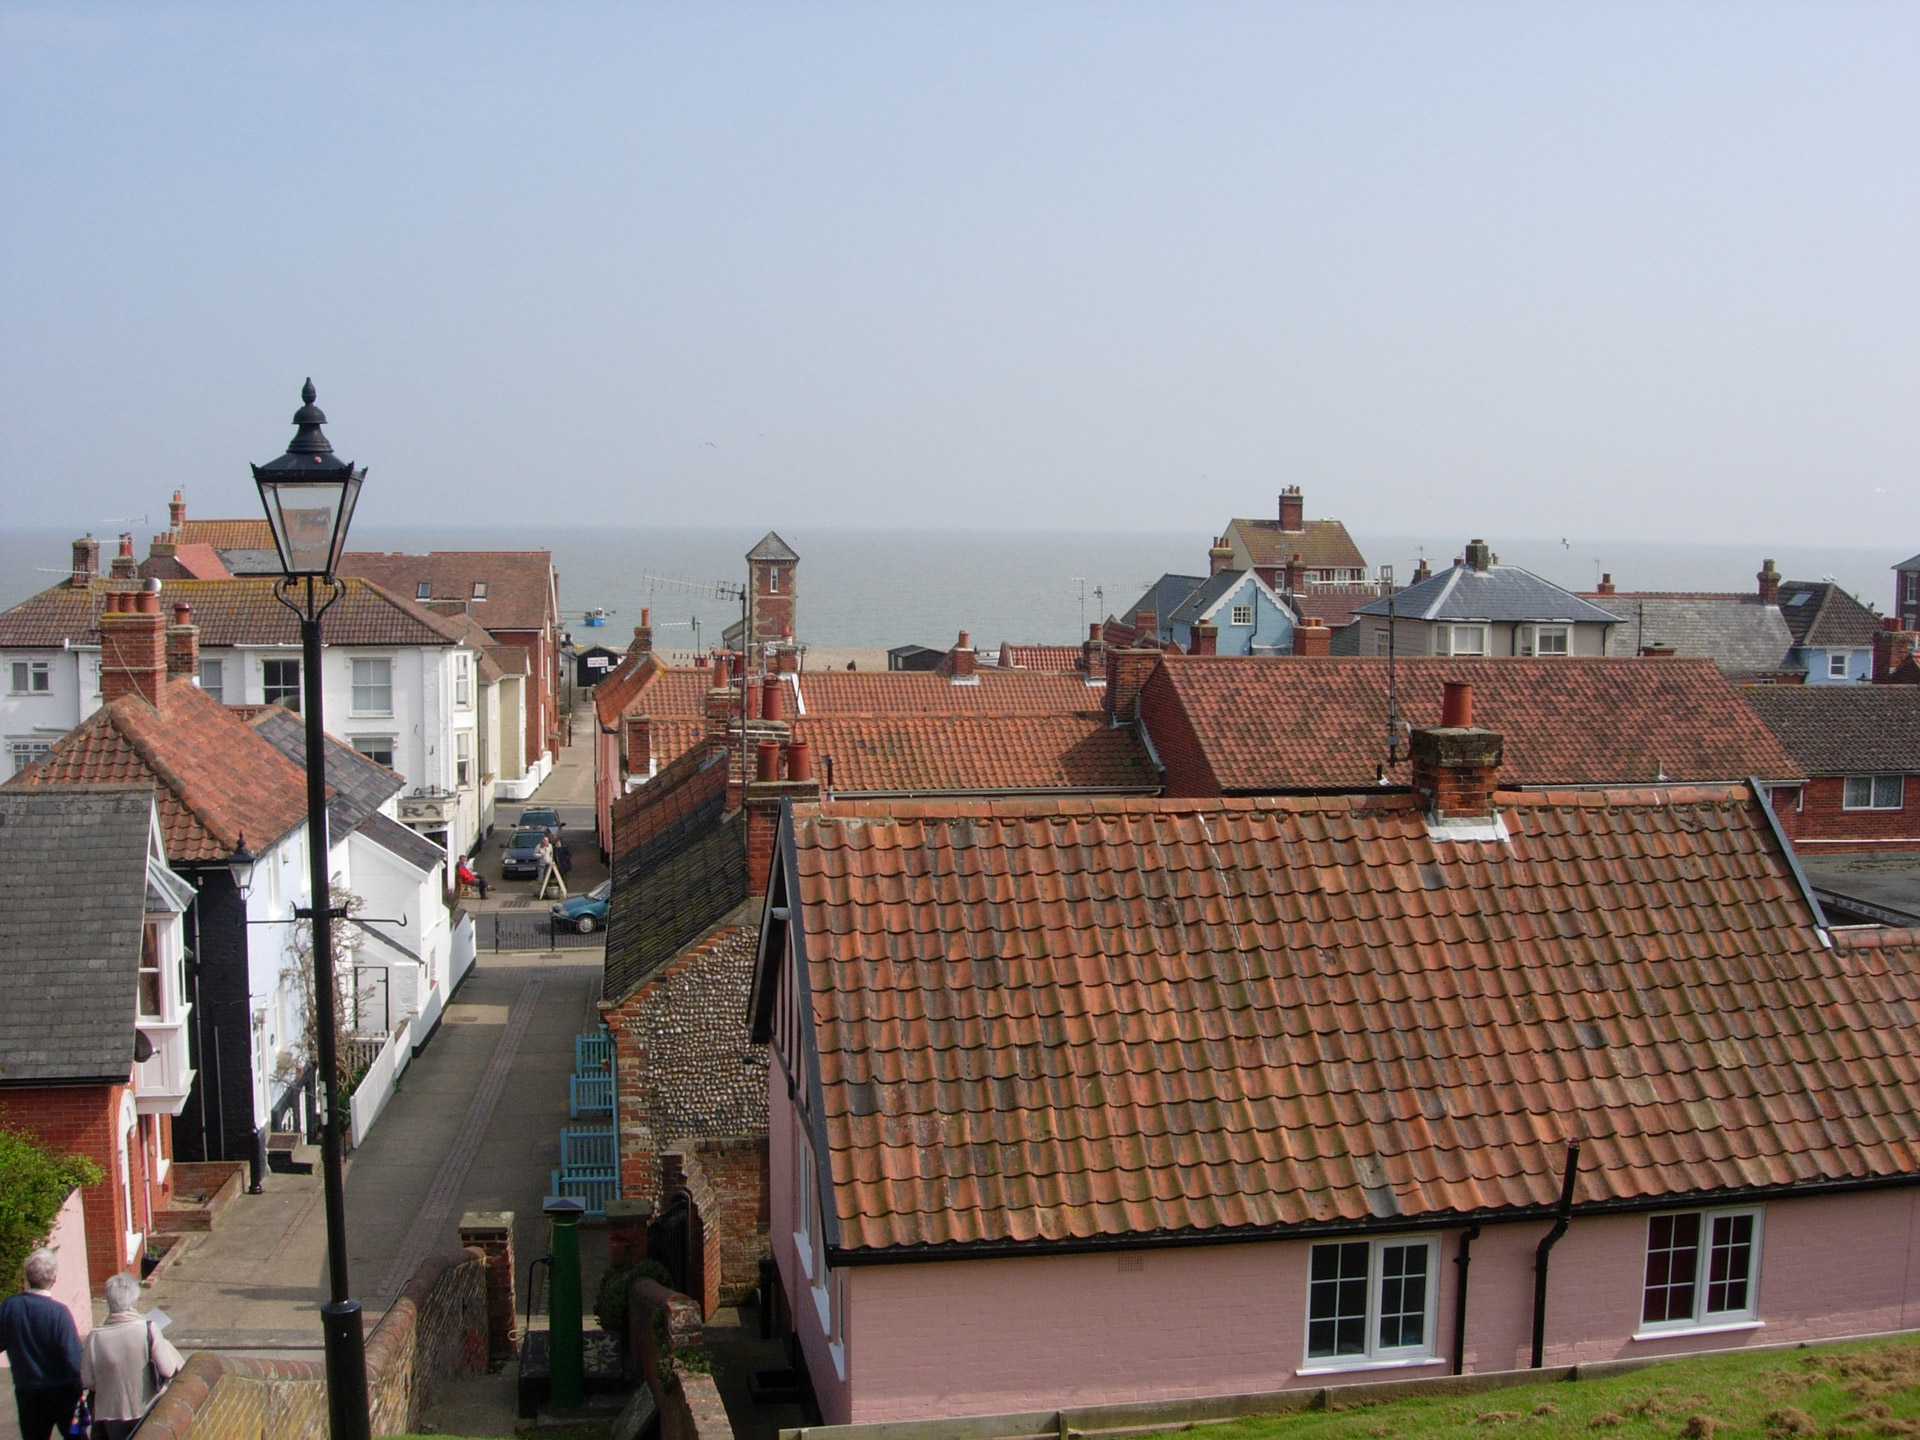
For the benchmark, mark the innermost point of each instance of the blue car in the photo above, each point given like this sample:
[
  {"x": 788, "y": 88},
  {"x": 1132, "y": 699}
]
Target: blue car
[
  {"x": 519, "y": 861},
  {"x": 585, "y": 913}
]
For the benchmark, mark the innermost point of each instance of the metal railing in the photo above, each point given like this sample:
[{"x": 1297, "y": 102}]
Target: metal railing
[{"x": 507, "y": 930}]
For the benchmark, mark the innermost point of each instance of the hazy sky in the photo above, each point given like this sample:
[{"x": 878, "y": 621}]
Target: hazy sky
[{"x": 1643, "y": 271}]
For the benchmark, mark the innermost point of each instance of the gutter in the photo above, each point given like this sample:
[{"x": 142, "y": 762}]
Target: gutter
[{"x": 1544, "y": 1250}]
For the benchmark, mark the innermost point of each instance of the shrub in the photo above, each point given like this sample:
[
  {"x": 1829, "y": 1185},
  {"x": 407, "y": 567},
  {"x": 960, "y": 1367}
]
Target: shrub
[
  {"x": 610, "y": 1303},
  {"x": 34, "y": 1184}
]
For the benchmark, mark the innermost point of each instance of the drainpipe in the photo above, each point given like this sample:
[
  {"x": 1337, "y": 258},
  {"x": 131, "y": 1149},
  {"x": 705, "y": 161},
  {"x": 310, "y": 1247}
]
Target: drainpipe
[
  {"x": 1464, "y": 1260},
  {"x": 1541, "y": 1251}
]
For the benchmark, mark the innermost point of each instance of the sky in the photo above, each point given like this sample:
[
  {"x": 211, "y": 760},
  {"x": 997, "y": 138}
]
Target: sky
[{"x": 1626, "y": 270}]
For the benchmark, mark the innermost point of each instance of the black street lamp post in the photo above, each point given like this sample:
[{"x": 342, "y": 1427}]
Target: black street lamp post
[{"x": 309, "y": 495}]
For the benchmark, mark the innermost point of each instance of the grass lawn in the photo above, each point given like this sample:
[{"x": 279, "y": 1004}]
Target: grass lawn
[{"x": 1842, "y": 1391}]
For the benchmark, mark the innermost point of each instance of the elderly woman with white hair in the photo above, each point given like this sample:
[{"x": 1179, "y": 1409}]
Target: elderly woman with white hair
[{"x": 126, "y": 1362}]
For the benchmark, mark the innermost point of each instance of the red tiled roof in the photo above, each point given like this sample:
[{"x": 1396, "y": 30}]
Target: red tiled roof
[
  {"x": 1058, "y": 659},
  {"x": 238, "y": 611},
  {"x": 1291, "y": 722},
  {"x": 904, "y": 754},
  {"x": 1323, "y": 545},
  {"x": 226, "y": 534},
  {"x": 920, "y": 692},
  {"x": 652, "y": 687},
  {"x": 214, "y": 777},
  {"x": 1333, "y": 604},
  {"x": 519, "y": 582},
  {"x": 1061, "y": 1020}
]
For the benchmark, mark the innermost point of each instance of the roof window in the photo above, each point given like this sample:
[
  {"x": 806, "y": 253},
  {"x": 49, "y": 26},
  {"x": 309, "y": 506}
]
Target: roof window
[
  {"x": 479, "y": 589},
  {"x": 423, "y": 591}
]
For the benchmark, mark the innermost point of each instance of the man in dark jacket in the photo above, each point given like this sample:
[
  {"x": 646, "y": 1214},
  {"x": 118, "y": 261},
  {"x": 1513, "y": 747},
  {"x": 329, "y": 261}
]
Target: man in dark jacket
[{"x": 43, "y": 1347}]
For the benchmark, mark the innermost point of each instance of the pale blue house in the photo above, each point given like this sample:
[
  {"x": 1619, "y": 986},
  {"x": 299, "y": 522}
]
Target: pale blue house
[
  {"x": 1832, "y": 632},
  {"x": 1249, "y": 618}
]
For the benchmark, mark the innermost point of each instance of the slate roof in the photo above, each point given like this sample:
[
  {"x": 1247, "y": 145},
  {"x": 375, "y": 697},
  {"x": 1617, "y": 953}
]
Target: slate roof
[
  {"x": 1070, "y": 1021},
  {"x": 1844, "y": 729},
  {"x": 359, "y": 786},
  {"x": 1911, "y": 563},
  {"x": 213, "y": 777},
  {"x": 917, "y": 754},
  {"x": 73, "y": 869},
  {"x": 226, "y": 534},
  {"x": 237, "y": 611},
  {"x": 1323, "y": 545},
  {"x": 1821, "y": 614},
  {"x": 1164, "y": 596},
  {"x": 772, "y": 547},
  {"x": 1500, "y": 593},
  {"x": 1292, "y": 722},
  {"x": 679, "y": 868},
  {"x": 1740, "y": 633},
  {"x": 1059, "y": 659},
  {"x": 519, "y": 583},
  {"x": 409, "y": 845},
  {"x": 1207, "y": 594}
]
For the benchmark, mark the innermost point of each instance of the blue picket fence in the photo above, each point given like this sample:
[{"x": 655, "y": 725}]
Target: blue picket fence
[{"x": 590, "y": 1153}]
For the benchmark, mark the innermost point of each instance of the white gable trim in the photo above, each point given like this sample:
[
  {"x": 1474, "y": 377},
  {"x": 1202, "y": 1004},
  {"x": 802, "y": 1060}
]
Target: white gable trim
[{"x": 1227, "y": 597}]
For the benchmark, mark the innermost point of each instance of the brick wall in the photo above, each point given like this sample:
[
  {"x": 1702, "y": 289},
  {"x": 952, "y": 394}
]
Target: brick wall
[
  {"x": 1175, "y": 742},
  {"x": 1821, "y": 824},
  {"x": 436, "y": 1330},
  {"x": 690, "y": 1407},
  {"x": 683, "y": 1067},
  {"x": 726, "y": 1180},
  {"x": 84, "y": 1120}
]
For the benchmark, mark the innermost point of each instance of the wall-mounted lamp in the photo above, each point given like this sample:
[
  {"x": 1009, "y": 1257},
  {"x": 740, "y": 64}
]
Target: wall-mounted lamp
[{"x": 240, "y": 865}]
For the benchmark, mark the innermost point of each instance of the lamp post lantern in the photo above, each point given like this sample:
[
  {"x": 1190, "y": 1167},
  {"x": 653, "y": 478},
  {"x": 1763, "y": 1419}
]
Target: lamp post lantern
[{"x": 309, "y": 495}]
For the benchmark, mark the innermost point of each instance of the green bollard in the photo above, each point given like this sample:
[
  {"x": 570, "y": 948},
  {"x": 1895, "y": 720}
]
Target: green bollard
[{"x": 566, "y": 1368}]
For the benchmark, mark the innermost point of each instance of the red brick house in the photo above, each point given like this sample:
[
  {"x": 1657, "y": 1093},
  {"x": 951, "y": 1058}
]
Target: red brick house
[
  {"x": 1260, "y": 726},
  {"x": 93, "y": 1037},
  {"x": 1860, "y": 748},
  {"x": 1076, "y": 1101}
]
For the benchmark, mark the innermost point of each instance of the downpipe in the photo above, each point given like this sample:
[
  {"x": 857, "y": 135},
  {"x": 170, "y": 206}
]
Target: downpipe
[
  {"x": 1544, "y": 1249},
  {"x": 1464, "y": 1262}
]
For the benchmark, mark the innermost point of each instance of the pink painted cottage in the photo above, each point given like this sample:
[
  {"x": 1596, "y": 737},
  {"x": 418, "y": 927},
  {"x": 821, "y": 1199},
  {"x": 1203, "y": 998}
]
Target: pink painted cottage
[{"x": 1077, "y": 1101}]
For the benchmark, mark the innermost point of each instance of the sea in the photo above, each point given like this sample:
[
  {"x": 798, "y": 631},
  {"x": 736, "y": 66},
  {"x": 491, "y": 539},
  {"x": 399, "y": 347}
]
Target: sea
[{"x": 874, "y": 589}]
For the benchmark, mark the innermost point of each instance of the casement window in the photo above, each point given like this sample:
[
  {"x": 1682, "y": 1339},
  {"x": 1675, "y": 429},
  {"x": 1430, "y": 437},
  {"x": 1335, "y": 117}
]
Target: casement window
[
  {"x": 1545, "y": 640},
  {"x": 25, "y": 751},
  {"x": 1910, "y": 582},
  {"x": 150, "y": 986},
  {"x": 1370, "y": 1301},
  {"x": 378, "y": 748},
  {"x": 372, "y": 685},
  {"x": 1243, "y": 614},
  {"x": 1703, "y": 1269},
  {"x": 463, "y": 758},
  {"x": 423, "y": 590},
  {"x": 280, "y": 682},
  {"x": 213, "y": 678},
  {"x": 1837, "y": 665},
  {"x": 1874, "y": 792},
  {"x": 462, "y": 679},
  {"x": 773, "y": 580},
  {"x": 1382, "y": 643},
  {"x": 1459, "y": 639},
  {"x": 31, "y": 677}
]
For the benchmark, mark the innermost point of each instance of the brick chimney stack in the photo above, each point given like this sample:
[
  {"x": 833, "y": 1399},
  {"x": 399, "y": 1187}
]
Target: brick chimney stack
[
  {"x": 763, "y": 797},
  {"x": 963, "y": 667},
  {"x": 1310, "y": 637},
  {"x": 1456, "y": 765},
  {"x": 640, "y": 745},
  {"x": 1422, "y": 571},
  {"x": 125, "y": 566},
  {"x": 1891, "y": 647},
  {"x": 177, "y": 512},
  {"x": 1606, "y": 584},
  {"x": 1293, "y": 507},
  {"x": 1220, "y": 557},
  {"x": 1146, "y": 623},
  {"x": 1206, "y": 639},
  {"x": 86, "y": 562},
  {"x": 643, "y": 634},
  {"x": 183, "y": 644},
  {"x": 1127, "y": 673},
  {"x": 1093, "y": 653},
  {"x": 1478, "y": 555},
  {"x": 133, "y": 646},
  {"x": 1769, "y": 579}
]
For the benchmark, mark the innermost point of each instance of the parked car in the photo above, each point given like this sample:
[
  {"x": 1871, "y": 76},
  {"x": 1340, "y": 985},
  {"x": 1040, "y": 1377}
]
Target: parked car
[
  {"x": 546, "y": 819},
  {"x": 585, "y": 913},
  {"x": 519, "y": 862}
]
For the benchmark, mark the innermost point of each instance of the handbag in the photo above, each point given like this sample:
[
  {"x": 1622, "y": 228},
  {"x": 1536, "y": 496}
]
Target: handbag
[{"x": 80, "y": 1423}]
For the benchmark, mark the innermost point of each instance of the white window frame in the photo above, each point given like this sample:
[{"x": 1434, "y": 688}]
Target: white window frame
[
  {"x": 1242, "y": 615},
  {"x": 1532, "y": 636},
  {"x": 1876, "y": 787},
  {"x": 1446, "y": 639},
  {"x": 218, "y": 669},
  {"x": 1703, "y": 1320},
  {"x": 38, "y": 675},
  {"x": 1377, "y": 1356},
  {"x": 1382, "y": 641},
  {"x": 25, "y": 750},
  {"x": 1836, "y": 664},
  {"x": 298, "y": 679},
  {"x": 368, "y": 690},
  {"x": 462, "y": 680},
  {"x": 386, "y": 742},
  {"x": 462, "y": 759}
]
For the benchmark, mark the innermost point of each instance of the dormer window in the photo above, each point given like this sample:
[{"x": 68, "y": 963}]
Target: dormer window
[{"x": 479, "y": 589}]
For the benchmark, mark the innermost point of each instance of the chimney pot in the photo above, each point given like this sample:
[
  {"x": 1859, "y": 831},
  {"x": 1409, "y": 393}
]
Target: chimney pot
[
  {"x": 767, "y": 760},
  {"x": 1606, "y": 583},
  {"x": 771, "y": 698},
  {"x": 133, "y": 648},
  {"x": 177, "y": 511},
  {"x": 799, "y": 760},
  {"x": 1456, "y": 705}
]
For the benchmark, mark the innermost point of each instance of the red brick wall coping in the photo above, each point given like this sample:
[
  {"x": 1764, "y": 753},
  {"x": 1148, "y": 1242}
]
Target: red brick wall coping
[{"x": 436, "y": 1330}]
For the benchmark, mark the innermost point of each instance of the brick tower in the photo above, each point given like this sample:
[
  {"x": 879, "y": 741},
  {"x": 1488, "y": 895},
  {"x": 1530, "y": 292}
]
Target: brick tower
[{"x": 770, "y": 593}]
